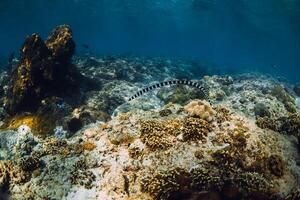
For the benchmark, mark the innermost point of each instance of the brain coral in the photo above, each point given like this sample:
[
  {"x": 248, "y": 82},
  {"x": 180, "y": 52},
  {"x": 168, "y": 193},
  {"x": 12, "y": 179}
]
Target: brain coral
[{"x": 201, "y": 109}]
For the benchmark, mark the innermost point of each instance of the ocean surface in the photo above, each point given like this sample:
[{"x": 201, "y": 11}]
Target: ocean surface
[{"x": 233, "y": 36}]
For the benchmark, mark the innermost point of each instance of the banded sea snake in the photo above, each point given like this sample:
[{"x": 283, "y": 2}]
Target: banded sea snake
[{"x": 201, "y": 87}]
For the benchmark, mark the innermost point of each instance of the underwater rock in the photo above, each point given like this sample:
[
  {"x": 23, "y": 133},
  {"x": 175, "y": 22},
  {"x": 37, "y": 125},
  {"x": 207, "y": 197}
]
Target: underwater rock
[
  {"x": 44, "y": 70},
  {"x": 61, "y": 43}
]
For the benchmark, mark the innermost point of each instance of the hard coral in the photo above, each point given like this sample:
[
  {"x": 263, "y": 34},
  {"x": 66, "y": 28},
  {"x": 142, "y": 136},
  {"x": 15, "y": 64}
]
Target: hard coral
[
  {"x": 163, "y": 184},
  {"x": 154, "y": 136},
  {"x": 204, "y": 180},
  {"x": 290, "y": 125},
  {"x": 61, "y": 43},
  {"x": 261, "y": 110},
  {"x": 200, "y": 109},
  {"x": 194, "y": 129},
  {"x": 45, "y": 69},
  {"x": 253, "y": 184},
  {"x": 266, "y": 123}
]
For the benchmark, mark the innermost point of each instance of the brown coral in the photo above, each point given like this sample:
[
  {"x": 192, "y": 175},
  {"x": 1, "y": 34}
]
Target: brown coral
[
  {"x": 163, "y": 184},
  {"x": 194, "y": 129},
  {"x": 153, "y": 135}
]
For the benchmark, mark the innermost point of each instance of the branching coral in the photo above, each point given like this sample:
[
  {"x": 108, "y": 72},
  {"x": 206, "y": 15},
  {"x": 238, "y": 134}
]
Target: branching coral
[
  {"x": 266, "y": 123},
  {"x": 153, "y": 135},
  {"x": 232, "y": 156},
  {"x": 222, "y": 114},
  {"x": 204, "y": 180},
  {"x": 194, "y": 129},
  {"x": 253, "y": 184},
  {"x": 162, "y": 184}
]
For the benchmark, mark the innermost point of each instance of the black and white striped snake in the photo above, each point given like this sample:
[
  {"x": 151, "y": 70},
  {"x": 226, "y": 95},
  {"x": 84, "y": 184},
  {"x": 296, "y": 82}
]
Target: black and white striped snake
[{"x": 171, "y": 82}]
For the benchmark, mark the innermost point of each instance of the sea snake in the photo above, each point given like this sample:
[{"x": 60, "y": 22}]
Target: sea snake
[{"x": 172, "y": 82}]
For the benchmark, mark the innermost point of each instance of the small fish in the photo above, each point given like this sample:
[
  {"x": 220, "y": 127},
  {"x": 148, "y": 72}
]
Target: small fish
[
  {"x": 86, "y": 46},
  {"x": 172, "y": 82}
]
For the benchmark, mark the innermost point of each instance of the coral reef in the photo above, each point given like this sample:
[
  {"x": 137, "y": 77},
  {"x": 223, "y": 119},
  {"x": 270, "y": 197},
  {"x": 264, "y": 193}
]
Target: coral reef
[{"x": 241, "y": 145}]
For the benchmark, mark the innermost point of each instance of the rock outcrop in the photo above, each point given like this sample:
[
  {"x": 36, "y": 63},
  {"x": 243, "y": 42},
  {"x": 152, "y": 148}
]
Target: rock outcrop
[{"x": 44, "y": 70}]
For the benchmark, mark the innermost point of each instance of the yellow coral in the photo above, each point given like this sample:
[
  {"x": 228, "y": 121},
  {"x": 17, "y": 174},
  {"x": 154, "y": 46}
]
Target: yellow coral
[
  {"x": 89, "y": 146},
  {"x": 39, "y": 124},
  {"x": 30, "y": 121}
]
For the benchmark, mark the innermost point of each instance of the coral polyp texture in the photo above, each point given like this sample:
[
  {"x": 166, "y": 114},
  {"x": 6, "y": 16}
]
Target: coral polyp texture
[{"x": 242, "y": 142}]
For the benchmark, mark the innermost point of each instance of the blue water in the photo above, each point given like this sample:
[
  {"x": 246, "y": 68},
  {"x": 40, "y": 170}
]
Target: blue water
[{"x": 234, "y": 35}]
